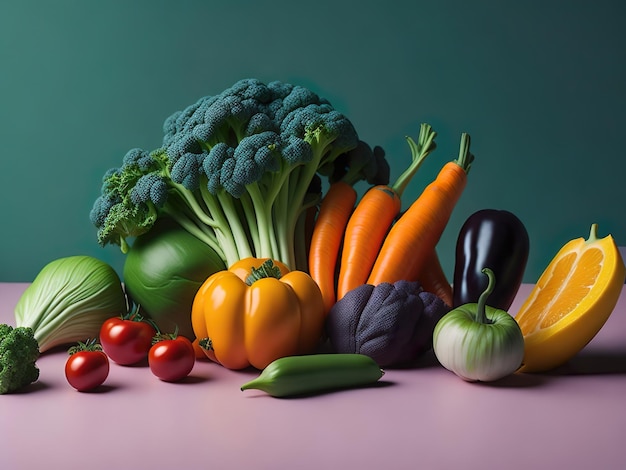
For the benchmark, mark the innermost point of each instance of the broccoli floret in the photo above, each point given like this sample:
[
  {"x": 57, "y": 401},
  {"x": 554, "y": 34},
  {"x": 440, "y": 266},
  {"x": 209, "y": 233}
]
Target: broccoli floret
[
  {"x": 234, "y": 169},
  {"x": 150, "y": 188},
  {"x": 139, "y": 158},
  {"x": 123, "y": 220},
  {"x": 19, "y": 352},
  {"x": 186, "y": 170},
  {"x": 260, "y": 123},
  {"x": 255, "y": 155}
]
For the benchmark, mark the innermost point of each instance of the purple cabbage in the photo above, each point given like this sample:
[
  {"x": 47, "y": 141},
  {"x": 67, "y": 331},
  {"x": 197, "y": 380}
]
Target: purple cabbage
[{"x": 391, "y": 323}]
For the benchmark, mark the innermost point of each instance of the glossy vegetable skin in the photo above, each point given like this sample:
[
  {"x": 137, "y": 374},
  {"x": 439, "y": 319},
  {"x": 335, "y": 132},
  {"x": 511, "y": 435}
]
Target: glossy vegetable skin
[
  {"x": 498, "y": 240},
  {"x": 127, "y": 339},
  {"x": 310, "y": 374},
  {"x": 242, "y": 322},
  {"x": 87, "y": 367},
  {"x": 171, "y": 358}
]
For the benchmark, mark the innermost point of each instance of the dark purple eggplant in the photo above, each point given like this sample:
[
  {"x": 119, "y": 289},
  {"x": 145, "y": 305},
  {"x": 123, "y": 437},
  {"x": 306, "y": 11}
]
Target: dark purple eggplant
[{"x": 494, "y": 239}]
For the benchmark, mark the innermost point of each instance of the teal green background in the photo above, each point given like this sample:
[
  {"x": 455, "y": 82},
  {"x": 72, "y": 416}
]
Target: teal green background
[{"x": 539, "y": 85}]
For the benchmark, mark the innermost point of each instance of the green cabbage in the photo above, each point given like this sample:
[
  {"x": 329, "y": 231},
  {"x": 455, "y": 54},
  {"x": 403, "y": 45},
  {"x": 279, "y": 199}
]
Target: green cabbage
[
  {"x": 163, "y": 271},
  {"x": 69, "y": 300}
]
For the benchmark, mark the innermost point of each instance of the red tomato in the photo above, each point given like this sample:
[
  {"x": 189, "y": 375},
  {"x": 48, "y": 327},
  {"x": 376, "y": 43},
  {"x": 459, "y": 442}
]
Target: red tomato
[
  {"x": 87, "y": 367},
  {"x": 126, "y": 340},
  {"x": 172, "y": 358}
]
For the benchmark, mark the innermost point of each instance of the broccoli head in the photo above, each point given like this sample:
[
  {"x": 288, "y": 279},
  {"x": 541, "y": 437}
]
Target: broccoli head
[
  {"x": 235, "y": 170},
  {"x": 19, "y": 352}
]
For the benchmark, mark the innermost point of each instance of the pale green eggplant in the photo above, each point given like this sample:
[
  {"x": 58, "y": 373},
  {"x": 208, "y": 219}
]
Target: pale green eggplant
[{"x": 478, "y": 342}]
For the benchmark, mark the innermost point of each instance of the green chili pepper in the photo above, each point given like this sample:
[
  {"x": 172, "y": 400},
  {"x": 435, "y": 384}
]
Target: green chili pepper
[{"x": 315, "y": 373}]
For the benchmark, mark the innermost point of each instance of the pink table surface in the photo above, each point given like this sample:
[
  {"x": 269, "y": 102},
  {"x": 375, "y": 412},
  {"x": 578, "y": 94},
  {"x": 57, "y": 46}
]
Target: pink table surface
[{"x": 421, "y": 418}]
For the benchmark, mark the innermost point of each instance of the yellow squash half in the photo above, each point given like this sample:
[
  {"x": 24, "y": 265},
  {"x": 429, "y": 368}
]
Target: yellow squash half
[{"x": 571, "y": 301}]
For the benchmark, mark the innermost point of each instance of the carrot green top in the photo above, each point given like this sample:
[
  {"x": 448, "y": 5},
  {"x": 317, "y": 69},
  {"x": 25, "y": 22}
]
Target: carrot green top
[
  {"x": 419, "y": 151},
  {"x": 465, "y": 156}
]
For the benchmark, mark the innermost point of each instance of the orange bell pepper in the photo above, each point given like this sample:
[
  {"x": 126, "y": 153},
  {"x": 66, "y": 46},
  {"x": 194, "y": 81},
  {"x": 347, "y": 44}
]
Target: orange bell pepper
[{"x": 255, "y": 312}]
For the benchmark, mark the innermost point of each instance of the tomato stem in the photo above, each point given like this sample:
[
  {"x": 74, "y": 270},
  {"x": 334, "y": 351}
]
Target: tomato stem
[
  {"x": 134, "y": 315},
  {"x": 89, "y": 345},
  {"x": 160, "y": 336}
]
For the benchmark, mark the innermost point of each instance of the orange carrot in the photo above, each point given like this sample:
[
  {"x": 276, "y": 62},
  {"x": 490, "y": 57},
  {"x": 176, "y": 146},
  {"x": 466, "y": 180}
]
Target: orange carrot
[
  {"x": 416, "y": 233},
  {"x": 328, "y": 231},
  {"x": 433, "y": 279},
  {"x": 374, "y": 215},
  {"x": 364, "y": 235}
]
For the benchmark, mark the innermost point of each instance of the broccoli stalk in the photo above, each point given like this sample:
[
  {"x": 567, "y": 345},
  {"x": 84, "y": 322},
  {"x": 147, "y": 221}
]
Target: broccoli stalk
[
  {"x": 316, "y": 135},
  {"x": 237, "y": 170},
  {"x": 19, "y": 352}
]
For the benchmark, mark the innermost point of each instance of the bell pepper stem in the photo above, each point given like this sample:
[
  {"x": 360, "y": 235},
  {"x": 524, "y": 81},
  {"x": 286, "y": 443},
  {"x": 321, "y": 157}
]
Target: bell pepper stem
[
  {"x": 267, "y": 269},
  {"x": 481, "y": 316}
]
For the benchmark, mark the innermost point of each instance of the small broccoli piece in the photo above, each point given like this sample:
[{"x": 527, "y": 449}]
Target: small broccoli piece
[
  {"x": 19, "y": 352},
  {"x": 130, "y": 196},
  {"x": 123, "y": 220}
]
